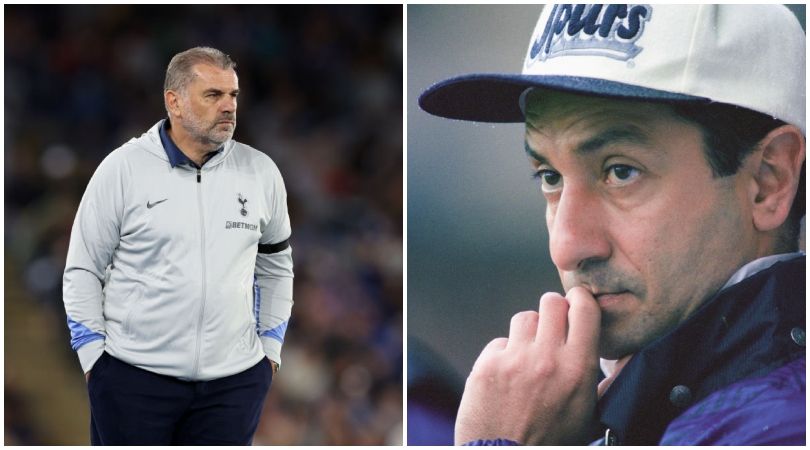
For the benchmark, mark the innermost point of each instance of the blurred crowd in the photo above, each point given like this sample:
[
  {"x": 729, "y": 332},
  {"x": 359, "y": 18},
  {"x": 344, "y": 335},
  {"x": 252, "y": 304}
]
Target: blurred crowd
[{"x": 321, "y": 94}]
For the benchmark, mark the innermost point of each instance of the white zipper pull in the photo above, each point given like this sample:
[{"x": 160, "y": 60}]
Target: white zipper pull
[{"x": 610, "y": 437}]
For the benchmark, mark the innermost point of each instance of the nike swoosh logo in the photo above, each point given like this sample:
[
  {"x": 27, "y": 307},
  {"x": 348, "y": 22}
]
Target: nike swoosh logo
[{"x": 150, "y": 205}]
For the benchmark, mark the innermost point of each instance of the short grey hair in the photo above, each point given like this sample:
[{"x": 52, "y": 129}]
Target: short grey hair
[{"x": 179, "y": 73}]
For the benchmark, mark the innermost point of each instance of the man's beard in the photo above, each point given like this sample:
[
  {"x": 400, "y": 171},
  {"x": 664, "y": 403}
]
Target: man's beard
[{"x": 209, "y": 135}]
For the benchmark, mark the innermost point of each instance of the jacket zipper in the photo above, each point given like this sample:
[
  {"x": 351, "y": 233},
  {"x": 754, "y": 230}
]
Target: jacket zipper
[
  {"x": 202, "y": 248},
  {"x": 610, "y": 437}
]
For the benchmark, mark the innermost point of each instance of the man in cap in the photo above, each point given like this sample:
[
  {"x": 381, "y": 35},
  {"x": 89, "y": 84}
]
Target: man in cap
[{"x": 669, "y": 144}]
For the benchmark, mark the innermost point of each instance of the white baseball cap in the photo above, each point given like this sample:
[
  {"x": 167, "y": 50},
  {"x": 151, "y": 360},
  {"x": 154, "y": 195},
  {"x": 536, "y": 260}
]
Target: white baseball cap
[{"x": 751, "y": 56}]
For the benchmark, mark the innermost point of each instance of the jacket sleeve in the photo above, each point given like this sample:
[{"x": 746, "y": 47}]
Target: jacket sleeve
[
  {"x": 274, "y": 272},
  {"x": 93, "y": 239}
]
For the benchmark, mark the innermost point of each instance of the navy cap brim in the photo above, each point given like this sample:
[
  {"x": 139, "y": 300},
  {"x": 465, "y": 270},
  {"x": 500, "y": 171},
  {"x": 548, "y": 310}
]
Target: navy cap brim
[{"x": 496, "y": 97}]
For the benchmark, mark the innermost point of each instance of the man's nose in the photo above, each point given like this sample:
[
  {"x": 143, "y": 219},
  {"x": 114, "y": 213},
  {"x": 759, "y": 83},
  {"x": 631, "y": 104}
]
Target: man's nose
[
  {"x": 577, "y": 229},
  {"x": 228, "y": 104}
]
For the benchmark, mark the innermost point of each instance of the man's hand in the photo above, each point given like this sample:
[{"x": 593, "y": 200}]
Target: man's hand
[
  {"x": 274, "y": 365},
  {"x": 538, "y": 387},
  {"x": 87, "y": 377}
]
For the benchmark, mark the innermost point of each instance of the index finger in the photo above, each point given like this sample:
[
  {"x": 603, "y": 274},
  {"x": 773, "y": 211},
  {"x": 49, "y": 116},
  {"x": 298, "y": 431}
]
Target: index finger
[{"x": 584, "y": 322}]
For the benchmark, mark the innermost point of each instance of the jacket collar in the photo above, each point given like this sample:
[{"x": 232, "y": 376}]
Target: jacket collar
[
  {"x": 743, "y": 331},
  {"x": 173, "y": 152}
]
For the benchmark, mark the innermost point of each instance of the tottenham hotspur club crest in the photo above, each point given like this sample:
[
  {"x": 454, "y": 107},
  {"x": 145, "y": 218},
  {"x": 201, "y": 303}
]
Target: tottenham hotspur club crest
[
  {"x": 236, "y": 225},
  {"x": 243, "y": 211}
]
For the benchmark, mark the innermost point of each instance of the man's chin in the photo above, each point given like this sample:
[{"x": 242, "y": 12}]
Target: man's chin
[
  {"x": 614, "y": 345},
  {"x": 219, "y": 138}
]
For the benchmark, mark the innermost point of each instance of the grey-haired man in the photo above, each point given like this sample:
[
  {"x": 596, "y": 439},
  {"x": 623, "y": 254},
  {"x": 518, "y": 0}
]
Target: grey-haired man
[{"x": 178, "y": 282}]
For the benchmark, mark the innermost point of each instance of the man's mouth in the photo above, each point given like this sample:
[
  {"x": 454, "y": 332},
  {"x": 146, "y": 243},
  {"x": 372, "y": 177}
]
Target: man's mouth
[{"x": 606, "y": 299}]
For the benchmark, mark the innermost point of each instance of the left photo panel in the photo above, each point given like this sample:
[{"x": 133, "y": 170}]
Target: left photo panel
[{"x": 203, "y": 225}]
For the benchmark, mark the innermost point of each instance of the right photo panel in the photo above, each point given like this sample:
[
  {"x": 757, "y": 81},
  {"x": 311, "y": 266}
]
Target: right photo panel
[{"x": 606, "y": 233}]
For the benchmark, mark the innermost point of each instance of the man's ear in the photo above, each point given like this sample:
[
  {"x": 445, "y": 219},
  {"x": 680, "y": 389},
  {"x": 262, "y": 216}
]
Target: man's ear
[
  {"x": 776, "y": 176},
  {"x": 172, "y": 101}
]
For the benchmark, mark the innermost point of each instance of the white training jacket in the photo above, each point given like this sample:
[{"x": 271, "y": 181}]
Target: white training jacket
[{"x": 180, "y": 271}]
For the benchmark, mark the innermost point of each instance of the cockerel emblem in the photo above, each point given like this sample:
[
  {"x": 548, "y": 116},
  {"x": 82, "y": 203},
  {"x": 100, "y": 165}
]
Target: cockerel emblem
[{"x": 243, "y": 200}]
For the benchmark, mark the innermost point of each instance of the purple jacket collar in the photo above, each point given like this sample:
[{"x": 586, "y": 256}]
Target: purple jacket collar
[{"x": 744, "y": 331}]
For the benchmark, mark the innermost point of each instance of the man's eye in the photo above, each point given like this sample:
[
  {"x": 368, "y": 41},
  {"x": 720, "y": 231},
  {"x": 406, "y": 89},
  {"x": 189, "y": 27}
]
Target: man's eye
[
  {"x": 621, "y": 174},
  {"x": 549, "y": 179}
]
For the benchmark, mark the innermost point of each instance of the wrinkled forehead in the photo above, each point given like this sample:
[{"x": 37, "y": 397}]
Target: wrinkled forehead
[
  {"x": 209, "y": 75},
  {"x": 549, "y": 109}
]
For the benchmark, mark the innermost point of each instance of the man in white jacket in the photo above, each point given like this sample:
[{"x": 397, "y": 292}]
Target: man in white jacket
[{"x": 178, "y": 281}]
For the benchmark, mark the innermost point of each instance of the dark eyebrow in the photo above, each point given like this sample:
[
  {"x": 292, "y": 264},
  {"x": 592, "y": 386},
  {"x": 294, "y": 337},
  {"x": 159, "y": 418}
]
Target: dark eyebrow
[
  {"x": 627, "y": 134},
  {"x": 217, "y": 91},
  {"x": 534, "y": 154}
]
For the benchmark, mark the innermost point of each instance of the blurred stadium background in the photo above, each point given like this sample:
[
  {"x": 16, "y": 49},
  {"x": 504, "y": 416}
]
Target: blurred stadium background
[
  {"x": 477, "y": 239},
  {"x": 321, "y": 94}
]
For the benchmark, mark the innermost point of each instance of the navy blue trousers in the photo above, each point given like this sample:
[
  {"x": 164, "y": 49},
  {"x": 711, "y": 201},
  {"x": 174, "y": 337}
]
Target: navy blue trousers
[{"x": 132, "y": 406}]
